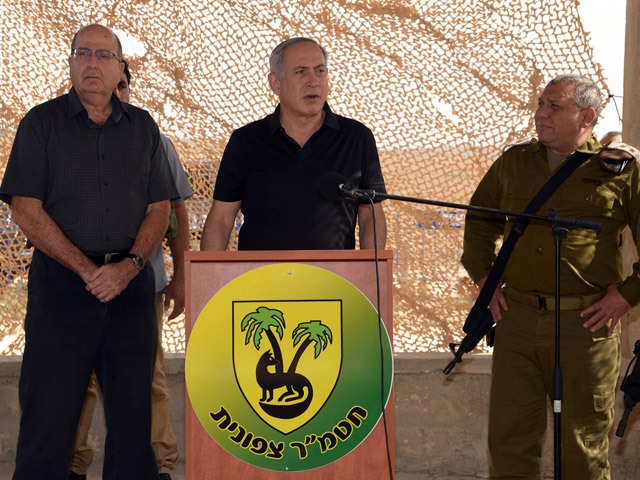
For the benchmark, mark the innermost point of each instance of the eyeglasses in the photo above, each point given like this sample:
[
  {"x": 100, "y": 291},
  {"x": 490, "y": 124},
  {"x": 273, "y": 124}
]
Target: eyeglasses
[{"x": 84, "y": 55}]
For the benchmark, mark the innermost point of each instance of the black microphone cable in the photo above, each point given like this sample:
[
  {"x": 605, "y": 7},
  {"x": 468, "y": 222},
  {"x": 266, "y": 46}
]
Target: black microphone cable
[
  {"x": 381, "y": 341},
  {"x": 330, "y": 186},
  {"x": 615, "y": 104}
]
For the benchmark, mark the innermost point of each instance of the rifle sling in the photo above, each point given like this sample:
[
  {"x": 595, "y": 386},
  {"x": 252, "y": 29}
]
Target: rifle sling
[{"x": 519, "y": 226}]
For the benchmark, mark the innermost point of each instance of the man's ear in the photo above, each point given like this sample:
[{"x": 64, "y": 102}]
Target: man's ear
[
  {"x": 274, "y": 83},
  {"x": 589, "y": 116}
]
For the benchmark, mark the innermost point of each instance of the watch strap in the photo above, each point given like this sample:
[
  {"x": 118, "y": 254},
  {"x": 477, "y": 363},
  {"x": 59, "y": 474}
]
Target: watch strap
[{"x": 138, "y": 261}]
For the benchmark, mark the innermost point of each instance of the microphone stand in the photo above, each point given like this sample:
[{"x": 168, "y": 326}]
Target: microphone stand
[
  {"x": 559, "y": 227},
  {"x": 551, "y": 217},
  {"x": 558, "y": 233}
]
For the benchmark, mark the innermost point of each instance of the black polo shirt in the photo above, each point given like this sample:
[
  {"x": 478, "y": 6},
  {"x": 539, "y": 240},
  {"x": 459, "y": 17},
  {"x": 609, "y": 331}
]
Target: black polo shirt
[
  {"x": 277, "y": 182},
  {"x": 94, "y": 181}
]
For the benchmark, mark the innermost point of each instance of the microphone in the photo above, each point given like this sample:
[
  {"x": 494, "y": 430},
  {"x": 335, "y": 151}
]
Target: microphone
[
  {"x": 350, "y": 191},
  {"x": 334, "y": 188}
]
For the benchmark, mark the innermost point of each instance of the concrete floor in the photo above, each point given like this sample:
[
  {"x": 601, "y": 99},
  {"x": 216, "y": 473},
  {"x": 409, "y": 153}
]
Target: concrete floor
[
  {"x": 6, "y": 471},
  {"x": 178, "y": 474}
]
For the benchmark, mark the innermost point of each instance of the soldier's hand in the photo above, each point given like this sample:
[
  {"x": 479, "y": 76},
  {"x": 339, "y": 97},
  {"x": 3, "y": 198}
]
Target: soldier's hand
[
  {"x": 611, "y": 307},
  {"x": 498, "y": 302}
]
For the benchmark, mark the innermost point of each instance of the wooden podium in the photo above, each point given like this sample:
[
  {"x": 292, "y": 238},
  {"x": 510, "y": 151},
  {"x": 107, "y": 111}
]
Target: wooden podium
[{"x": 206, "y": 274}]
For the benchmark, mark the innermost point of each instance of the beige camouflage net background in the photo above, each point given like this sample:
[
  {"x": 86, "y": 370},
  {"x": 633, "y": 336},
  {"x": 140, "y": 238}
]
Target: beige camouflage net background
[{"x": 443, "y": 84}]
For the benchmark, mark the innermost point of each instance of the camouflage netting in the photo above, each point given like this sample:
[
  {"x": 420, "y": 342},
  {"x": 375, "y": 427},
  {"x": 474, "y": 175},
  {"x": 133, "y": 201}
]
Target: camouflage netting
[{"x": 443, "y": 84}]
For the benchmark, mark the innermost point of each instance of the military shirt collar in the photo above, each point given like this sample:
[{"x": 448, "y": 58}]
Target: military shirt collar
[{"x": 591, "y": 146}]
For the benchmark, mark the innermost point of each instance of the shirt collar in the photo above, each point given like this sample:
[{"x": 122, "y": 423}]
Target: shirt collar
[
  {"x": 591, "y": 146},
  {"x": 330, "y": 119},
  {"x": 118, "y": 107}
]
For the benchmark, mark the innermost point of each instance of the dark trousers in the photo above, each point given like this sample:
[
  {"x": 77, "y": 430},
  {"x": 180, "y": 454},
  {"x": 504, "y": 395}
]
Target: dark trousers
[{"x": 68, "y": 332}]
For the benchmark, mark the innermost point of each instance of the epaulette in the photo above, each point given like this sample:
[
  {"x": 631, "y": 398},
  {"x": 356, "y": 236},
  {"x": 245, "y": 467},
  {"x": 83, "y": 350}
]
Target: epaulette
[
  {"x": 615, "y": 156},
  {"x": 515, "y": 143}
]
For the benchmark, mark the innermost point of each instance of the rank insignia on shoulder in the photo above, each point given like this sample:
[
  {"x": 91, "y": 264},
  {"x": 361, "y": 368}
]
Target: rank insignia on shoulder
[{"x": 616, "y": 156}]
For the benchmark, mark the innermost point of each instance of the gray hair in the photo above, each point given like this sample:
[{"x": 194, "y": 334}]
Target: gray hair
[
  {"x": 587, "y": 94},
  {"x": 276, "y": 59}
]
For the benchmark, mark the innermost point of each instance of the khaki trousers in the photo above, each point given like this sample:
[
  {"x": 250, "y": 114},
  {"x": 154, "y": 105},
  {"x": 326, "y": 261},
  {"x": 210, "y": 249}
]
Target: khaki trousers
[
  {"x": 162, "y": 437},
  {"x": 522, "y": 386}
]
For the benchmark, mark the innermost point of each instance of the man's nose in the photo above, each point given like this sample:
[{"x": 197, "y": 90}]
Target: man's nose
[
  {"x": 542, "y": 111},
  {"x": 93, "y": 60}
]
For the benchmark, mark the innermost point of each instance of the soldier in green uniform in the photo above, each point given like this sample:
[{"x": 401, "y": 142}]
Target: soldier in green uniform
[{"x": 594, "y": 294}]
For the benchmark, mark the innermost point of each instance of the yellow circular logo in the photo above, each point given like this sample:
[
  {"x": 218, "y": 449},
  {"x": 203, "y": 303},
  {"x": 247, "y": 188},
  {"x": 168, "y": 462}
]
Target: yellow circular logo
[{"x": 288, "y": 367}]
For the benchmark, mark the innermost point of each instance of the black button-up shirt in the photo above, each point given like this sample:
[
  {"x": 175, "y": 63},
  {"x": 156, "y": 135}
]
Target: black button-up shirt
[
  {"x": 95, "y": 181},
  {"x": 277, "y": 182}
]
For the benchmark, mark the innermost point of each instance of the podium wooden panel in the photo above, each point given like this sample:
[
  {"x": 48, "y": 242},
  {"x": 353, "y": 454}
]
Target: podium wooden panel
[{"x": 206, "y": 273}]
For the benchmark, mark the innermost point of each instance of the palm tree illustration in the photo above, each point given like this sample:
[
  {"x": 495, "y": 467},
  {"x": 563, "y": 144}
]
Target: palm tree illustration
[
  {"x": 315, "y": 332},
  {"x": 265, "y": 320},
  {"x": 293, "y": 401}
]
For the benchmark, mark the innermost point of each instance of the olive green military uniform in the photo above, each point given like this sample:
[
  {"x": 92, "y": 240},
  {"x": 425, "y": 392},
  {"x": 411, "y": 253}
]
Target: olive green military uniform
[{"x": 605, "y": 189}]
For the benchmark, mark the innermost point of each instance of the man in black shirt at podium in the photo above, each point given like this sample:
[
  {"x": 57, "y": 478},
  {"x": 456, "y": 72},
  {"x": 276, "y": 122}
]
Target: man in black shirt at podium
[{"x": 270, "y": 168}]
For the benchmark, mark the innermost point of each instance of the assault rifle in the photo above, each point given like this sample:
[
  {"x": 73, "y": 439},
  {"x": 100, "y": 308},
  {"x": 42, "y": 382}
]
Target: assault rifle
[{"x": 479, "y": 324}]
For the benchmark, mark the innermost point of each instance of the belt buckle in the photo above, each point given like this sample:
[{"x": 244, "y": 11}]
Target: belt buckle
[
  {"x": 542, "y": 302},
  {"x": 109, "y": 256}
]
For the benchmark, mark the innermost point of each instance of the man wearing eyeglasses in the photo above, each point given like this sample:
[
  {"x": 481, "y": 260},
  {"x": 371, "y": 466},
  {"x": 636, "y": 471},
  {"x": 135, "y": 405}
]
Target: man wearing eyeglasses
[
  {"x": 163, "y": 438},
  {"x": 594, "y": 293},
  {"x": 89, "y": 185}
]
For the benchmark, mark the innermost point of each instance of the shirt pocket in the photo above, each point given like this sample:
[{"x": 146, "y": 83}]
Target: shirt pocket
[
  {"x": 585, "y": 201},
  {"x": 518, "y": 196},
  {"x": 137, "y": 167}
]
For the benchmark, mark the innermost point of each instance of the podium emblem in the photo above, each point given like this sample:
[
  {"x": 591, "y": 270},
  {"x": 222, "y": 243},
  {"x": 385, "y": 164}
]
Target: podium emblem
[
  {"x": 289, "y": 367},
  {"x": 287, "y": 357}
]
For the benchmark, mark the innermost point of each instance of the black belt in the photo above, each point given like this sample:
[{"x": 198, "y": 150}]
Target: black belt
[
  {"x": 547, "y": 302},
  {"x": 112, "y": 257}
]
